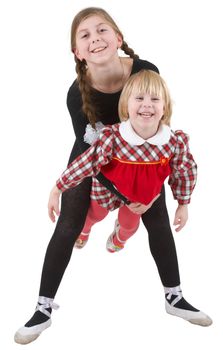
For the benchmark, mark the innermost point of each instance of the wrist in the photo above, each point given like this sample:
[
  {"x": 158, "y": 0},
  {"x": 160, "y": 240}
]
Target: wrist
[
  {"x": 182, "y": 205},
  {"x": 56, "y": 190}
]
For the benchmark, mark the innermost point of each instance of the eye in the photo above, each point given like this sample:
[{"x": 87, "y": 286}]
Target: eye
[
  {"x": 84, "y": 36},
  {"x": 101, "y": 30},
  {"x": 139, "y": 98},
  {"x": 155, "y": 98}
]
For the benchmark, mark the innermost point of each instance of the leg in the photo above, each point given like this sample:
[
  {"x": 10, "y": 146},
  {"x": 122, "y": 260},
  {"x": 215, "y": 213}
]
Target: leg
[
  {"x": 95, "y": 214},
  {"x": 162, "y": 246},
  {"x": 129, "y": 223},
  {"x": 163, "y": 249},
  {"x": 74, "y": 207},
  {"x": 126, "y": 225}
]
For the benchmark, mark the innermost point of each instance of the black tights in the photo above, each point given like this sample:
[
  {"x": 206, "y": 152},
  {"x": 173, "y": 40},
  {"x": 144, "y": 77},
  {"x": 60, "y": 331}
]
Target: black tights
[
  {"x": 74, "y": 207},
  {"x": 161, "y": 242}
]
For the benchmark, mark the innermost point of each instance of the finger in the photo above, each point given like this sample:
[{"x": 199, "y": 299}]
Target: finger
[
  {"x": 135, "y": 208},
  {"x": 51, "y": 214},
  {"x": 180, "y": 226},
  {"x": 134, "y": 205},
  {"x": 177, "y": 229},
  {"x": 56, "y": 209},
  {"x": 131, "y": 206},
  {"x": 155, "y": 198},
  {"x": 177, "y": 220},
  {"x": 139, "y": 212},
  {"x": 135, "y": 212}
]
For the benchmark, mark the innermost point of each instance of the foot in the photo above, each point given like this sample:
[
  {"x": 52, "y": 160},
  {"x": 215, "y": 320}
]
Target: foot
[
  {"x": 26, "y": 335},
  {"x": 114, "y": 243},
  {"x": 82, "y": 240},
  {"x": 40, "y": 321},
  {"x": 176, "y": 305}
]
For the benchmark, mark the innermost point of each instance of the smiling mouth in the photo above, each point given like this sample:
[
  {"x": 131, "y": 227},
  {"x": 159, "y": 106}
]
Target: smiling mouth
[
  {"x": 98, "y": 49},
  {"x": 146, "y": 115}
]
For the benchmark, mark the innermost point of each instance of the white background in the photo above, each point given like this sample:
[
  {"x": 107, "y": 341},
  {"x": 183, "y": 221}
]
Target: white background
[{"x": 107, "y": 301}]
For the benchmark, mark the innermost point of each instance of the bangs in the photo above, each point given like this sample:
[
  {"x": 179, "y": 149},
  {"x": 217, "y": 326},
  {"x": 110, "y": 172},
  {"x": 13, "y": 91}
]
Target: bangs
[{"x": 148, "y": 84}]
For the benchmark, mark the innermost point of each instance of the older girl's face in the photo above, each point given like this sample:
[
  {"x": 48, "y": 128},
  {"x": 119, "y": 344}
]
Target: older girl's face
[{"x": 96, "y": 41}]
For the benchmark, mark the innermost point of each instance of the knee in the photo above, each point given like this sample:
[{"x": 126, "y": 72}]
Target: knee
[
  {"x": 129, "y": 226},
  {"x": 97, "y": 213},
  {"x": 69, "y": 229}
]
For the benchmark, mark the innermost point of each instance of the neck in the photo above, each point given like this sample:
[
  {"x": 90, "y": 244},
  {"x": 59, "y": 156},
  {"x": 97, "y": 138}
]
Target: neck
[
  {"x": 146, "y": 133},
  {"x": 109, "y": 77}
]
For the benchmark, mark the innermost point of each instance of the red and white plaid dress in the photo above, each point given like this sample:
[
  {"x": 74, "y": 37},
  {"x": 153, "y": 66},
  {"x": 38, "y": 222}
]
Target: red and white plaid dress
[{"x": 137, "y": 167}]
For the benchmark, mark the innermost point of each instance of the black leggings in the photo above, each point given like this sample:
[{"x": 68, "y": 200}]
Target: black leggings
[{"x": 74, "y": 207}]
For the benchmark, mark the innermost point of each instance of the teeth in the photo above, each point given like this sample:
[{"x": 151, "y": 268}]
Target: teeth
[
  {"x": 98, "y": 49},
  {"x": 145, "y": 114}
]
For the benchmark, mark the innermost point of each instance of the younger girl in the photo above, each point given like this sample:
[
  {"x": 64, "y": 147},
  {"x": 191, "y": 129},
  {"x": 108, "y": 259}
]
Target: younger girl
[{"x": 136, "y": 155}]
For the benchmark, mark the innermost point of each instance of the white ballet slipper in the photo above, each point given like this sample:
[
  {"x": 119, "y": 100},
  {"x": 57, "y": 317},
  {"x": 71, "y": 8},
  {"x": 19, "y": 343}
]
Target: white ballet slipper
[{"x": 26, "y": 335}]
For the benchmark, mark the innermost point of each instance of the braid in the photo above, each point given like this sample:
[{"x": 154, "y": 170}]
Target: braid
[
  {"x": 88, "y": 107},
  {"x": 128, "y": 51}
]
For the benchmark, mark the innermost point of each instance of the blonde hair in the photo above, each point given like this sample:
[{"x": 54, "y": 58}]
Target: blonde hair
[
  {"x": 89, "y": 107},
  {"x": 146, "y": 81}
]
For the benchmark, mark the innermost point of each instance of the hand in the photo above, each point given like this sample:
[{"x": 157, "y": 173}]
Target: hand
[
  {"x": 138, "y": 208},
  {"x": 53, "y": 203},
  {"x": 181, "y": 217}
]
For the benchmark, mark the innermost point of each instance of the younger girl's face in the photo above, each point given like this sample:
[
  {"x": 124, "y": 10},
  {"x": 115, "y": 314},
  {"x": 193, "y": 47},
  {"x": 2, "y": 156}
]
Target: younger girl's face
[
  {"x": 96, "y": 41},
  {"x": 145, "y": 112}
]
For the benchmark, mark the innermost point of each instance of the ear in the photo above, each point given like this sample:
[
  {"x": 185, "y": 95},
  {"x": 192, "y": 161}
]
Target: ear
[
  {"x": 77, "y": 54},
  {"x": 120, "y": 41},
  {"x": 163, "y": 116},
  {"x": 164, "y": 110}
]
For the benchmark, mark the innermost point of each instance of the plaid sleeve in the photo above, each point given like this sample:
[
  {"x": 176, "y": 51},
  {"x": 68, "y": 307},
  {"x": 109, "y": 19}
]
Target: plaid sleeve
[
  {"x": 88, "y": 163},
  {"x": 184, "y": 170}
]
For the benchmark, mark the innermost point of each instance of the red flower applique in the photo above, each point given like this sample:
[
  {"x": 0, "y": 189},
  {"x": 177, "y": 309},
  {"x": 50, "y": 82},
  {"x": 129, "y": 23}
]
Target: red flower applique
[{"x": 164, "y": 161}]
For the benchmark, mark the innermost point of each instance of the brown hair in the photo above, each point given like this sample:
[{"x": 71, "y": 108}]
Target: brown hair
[
  {"x": 146, "y": 81},
  {"x": 89, "y": 107}
]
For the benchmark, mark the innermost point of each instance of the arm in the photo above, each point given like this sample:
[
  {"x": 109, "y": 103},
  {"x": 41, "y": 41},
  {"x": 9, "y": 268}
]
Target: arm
[
  {"x": 182, "y": 179},
  {"x": 87, "y": 164},
  {"x": 79, "y": 120}
]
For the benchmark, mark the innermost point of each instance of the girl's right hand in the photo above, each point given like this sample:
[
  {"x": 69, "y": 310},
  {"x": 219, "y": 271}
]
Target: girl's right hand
[
  {"x": 53, "y": 203},
  {"x": 138, "y": 208}
]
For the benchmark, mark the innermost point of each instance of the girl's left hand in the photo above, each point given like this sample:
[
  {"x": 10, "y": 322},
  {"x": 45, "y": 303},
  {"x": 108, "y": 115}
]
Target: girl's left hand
[
  {"x": 181, "y": 217},
  {"x": 53, "y": 203},
  {"x": 138, "y": 208}
]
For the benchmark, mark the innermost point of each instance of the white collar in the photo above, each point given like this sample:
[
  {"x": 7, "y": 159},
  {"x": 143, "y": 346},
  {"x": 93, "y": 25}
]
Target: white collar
[{"x": 129, "y": 135}]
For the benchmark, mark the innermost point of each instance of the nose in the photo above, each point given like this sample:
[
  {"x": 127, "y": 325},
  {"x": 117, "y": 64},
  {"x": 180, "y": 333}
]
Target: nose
[
  {"x": 95, "y": 41},
  {"x": 147, "y": 103}
]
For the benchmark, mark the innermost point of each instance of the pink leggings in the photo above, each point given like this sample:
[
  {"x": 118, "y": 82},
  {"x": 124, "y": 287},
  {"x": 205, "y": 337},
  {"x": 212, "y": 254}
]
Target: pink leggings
[{"x": 129, "y": 222}]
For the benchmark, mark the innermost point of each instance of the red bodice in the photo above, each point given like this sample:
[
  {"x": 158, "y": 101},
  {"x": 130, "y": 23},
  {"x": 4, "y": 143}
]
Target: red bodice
[{"x": 138, "y": 181}]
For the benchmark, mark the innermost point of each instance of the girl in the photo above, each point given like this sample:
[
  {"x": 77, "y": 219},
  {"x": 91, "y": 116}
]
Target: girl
[
  {"x": 137, "y": 156},
  {"x": 93, "y": 97}
]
